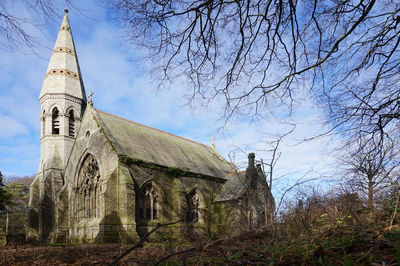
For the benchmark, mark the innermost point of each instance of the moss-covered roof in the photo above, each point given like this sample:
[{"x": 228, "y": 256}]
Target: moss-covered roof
[
  {"x": 233, "y": 188},
  {"x": 162, "y": 148}
]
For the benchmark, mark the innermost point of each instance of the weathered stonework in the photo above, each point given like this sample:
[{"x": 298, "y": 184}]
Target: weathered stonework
[{"x": 103, "y": 178}]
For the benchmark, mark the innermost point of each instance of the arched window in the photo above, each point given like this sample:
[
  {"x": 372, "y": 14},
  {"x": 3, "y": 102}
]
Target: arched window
[
  {"x": 71, "y": 124},
  {"x": 55, "y": 122},
  {"x": 193, "y": 202},
  {"x": 89, "y": 184},
  {"x": 148, "y": 205}
]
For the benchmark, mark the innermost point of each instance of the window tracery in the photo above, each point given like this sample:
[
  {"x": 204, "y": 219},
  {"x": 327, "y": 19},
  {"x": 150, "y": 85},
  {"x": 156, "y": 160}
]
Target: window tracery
[
  {"x": 89, "y": 188},
  {"x": 192, "y": 213},
  {"x": 148, "y": 203}
]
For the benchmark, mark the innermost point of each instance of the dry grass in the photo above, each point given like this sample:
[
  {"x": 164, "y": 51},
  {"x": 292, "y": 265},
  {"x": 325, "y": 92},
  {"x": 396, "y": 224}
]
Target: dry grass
[{"x": 347, "y": 246}]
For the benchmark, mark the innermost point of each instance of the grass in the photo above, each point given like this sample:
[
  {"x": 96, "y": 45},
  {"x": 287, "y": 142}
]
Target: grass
[{"x": 345, "y": 246}]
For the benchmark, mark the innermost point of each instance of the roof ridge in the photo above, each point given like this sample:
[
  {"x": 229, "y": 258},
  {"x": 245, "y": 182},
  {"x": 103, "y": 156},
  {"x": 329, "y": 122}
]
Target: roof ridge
[
  {"x": 152, "y": 128},
  {"x": 236, "y": 172}
]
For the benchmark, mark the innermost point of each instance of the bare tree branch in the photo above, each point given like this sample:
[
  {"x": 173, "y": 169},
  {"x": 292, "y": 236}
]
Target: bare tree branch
[
  {"x": 257, "y": 55},
  {"x": 185, "y": 251},
  {"x": 16, "y": 27},
  {"x": 369, "y": 167},
  {"x": 141, "y": 241}
]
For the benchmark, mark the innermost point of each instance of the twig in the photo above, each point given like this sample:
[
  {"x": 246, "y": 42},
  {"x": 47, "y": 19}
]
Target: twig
[
  {"x": 212, "y": 243},
  {"x": 208, "y": 245},
  {"x": 141, "y": 241},
  {"x": 186, "y": 251}
]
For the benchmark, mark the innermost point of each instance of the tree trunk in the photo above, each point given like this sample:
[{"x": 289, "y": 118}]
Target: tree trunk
[
  {"x": 6, "y": 222},
  {"x": 370, "y": 193}
]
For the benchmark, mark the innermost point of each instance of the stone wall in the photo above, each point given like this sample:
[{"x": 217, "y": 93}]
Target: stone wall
[
  {"x": 173, "y": 191},
  {"x": 133, "y": 196}
]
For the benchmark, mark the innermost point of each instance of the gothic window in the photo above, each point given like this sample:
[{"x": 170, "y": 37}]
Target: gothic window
[
  {"x": 148, "y": 205},
  {"x": 71, "y": 123},
  {"x": 89, "y": 184},
  {"x": 55, "y": 122},
  {"x": 192, "y": 212}
]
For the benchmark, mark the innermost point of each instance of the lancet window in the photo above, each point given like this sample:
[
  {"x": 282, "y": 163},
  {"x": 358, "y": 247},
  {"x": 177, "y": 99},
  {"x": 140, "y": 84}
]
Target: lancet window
[
  {"x": 89, "y": 188},
  {"x": 71, "y": 123},
  {"x": 55, "y": 122},
  {"x": 148, "y": 203},
  {"x": 192, "y": 212}
]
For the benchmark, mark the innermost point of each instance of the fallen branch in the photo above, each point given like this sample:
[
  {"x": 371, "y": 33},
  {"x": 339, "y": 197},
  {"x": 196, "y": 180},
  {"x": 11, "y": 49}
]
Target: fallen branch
[
  {"x": 141, "y": 241},
  {"x": 208, "y": 245},
  {"x": 186, "y": 251},
  {"x": 212, "y": 243}
]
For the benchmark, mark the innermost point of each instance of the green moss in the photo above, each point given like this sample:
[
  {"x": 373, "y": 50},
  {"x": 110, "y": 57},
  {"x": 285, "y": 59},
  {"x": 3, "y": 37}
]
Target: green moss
[
  {"x": 219, "y": 220},
  {"x": 3, "y": 239},
  {"x": 105, "y": 135},
  {"x": 174, "y": 196},
  {"x": 108, "y": 140},
  {"x": 169, "y": 171},
  {"x": 167, "y": 235}
]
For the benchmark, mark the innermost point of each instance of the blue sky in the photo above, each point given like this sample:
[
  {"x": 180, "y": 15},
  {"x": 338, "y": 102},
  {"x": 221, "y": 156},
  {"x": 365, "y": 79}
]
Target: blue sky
[{"x": 123, "y": 86}]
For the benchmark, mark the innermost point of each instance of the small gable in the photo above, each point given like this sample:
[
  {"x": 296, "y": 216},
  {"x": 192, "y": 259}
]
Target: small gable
[{"x": 233, "y": 187}]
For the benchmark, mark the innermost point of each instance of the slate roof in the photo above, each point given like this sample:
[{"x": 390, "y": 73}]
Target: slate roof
[
  {"x": 162, "y": 148},
  {"x": 233, "y": 188}
]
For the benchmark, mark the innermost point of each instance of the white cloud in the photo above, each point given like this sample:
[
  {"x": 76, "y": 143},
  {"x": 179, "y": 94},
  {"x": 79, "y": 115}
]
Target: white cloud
[{"x": 11, "y": 128}]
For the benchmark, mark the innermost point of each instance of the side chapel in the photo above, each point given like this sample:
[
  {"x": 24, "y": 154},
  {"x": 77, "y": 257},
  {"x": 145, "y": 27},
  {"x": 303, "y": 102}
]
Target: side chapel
[{"x": 102, "y": 178}]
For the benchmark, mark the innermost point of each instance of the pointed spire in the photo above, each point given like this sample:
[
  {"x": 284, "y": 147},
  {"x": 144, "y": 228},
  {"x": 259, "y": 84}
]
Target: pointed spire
[{"x": 63, "y": 73}]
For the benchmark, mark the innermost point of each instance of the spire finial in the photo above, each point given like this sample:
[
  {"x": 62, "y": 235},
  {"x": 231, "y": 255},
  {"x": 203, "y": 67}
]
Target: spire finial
[
  {"x": 213, "y": 142},
  {"x": 90, "y": 102},
  {"x": 66, "y": 10}
]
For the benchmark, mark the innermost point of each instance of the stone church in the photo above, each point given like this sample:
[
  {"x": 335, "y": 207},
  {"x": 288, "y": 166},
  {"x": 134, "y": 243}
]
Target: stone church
[{"x": 102, "y": 178}]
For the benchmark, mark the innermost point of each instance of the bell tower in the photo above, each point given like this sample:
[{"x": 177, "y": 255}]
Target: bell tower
[
  {"x": 63, "y": 102},
  {"x": 62, "y": 98}
]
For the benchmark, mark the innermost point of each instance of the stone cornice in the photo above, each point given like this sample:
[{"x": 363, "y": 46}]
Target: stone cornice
[
  {"x": 55, "y": 136},
  {"x": 60, "y": 96},
  {"x": 77, "y": 118}
]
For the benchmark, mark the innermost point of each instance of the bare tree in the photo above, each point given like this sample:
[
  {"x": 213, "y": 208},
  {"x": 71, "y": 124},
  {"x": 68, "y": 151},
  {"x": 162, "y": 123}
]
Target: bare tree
[
  {"x": 369, "y": 168},
  {"x": 275, "y": 152},
  {"x": 256, "y": 53},
  {"x": 14, "y": 28},
  {"x": 314, "y": 209}
]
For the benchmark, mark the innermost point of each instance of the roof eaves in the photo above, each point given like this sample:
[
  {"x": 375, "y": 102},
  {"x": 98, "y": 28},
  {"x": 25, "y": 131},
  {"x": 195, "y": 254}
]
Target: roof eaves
[{"x": 172, "y": 171}]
